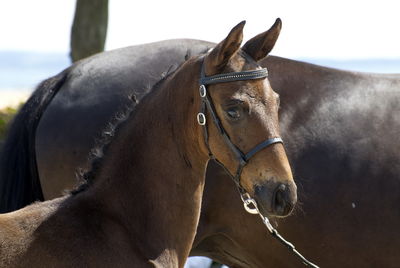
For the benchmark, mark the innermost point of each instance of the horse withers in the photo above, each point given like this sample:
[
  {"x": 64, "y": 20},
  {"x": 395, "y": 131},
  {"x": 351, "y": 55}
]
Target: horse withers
[{"x": 152, "y": 172}]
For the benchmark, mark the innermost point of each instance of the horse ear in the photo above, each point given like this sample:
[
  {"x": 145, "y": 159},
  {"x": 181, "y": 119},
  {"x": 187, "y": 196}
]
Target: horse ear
[
  {"x": 223, "y": 52},
  {"x": 259, "y": 46}
]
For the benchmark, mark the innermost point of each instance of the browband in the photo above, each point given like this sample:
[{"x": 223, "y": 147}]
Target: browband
[{"x": 234, "y": 76}]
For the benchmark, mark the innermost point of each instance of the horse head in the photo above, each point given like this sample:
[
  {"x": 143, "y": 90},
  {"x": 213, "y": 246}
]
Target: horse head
[{"x": 241, "y": 111}]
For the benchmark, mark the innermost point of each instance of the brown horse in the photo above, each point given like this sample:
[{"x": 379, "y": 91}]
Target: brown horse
[
  {"x": 152, "y": 173},
  {"x": 332, "y": 121}
]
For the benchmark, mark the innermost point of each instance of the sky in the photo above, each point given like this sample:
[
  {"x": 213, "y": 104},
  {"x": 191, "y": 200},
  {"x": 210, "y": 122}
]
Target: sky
[{"x": 340, "y": 29}]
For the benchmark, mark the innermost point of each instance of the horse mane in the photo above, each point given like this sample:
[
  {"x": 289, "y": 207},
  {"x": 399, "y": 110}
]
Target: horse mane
[{"x": 86, "y": 177}]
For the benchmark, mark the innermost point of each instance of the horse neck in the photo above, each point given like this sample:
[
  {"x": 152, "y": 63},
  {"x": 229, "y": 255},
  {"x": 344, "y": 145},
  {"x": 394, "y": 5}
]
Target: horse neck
[{"x": 153, "y": 172}]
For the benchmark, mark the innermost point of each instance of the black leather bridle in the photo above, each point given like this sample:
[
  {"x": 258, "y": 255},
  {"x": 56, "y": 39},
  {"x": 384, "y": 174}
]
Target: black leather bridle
[{"x": 207, "y": 105}]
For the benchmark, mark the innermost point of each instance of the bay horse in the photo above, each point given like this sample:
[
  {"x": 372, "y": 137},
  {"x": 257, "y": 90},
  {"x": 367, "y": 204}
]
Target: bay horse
[
  {"x": 141, "y": 201},
  {"x": 339, "y": 129}
]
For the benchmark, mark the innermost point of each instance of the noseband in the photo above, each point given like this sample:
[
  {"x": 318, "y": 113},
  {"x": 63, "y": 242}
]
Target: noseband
[{"x": 207, "y": 104}]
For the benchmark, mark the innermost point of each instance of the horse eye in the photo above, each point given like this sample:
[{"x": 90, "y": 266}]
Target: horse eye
[{"x": 233, "y": 113}]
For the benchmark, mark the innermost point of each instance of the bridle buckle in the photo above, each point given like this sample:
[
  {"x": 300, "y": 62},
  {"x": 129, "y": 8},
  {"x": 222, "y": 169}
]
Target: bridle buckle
[
  {"x": 201, "y": 119},
  {"x": 202, "y": 91},
  {"x": 249, "y": 204}
]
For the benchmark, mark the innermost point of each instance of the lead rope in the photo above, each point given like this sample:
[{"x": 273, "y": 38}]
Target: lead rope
[{"x": 247, "y": 201}]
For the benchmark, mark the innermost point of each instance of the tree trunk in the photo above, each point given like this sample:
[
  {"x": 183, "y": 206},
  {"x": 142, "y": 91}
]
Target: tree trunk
[{"x": 89, "y": 29}]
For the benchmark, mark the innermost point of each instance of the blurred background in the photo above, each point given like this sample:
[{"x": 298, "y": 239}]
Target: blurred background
[
  {"x": 36, "y": 35},
  {"x": 40, "y": 38}
]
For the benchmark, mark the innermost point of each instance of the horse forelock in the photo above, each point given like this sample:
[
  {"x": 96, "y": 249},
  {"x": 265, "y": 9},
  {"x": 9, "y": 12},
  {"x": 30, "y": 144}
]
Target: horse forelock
[{"x": 240, "y": 61}]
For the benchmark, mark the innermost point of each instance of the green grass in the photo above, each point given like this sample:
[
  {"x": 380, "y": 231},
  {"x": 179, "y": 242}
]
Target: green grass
[{"x": 6, "y": 115}]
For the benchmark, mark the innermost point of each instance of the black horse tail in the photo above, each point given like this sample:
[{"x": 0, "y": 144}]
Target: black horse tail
[{"x": 19, "y": 178}]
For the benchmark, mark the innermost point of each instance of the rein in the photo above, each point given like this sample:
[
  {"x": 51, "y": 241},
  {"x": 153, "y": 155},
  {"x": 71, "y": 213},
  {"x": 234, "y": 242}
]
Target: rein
[
  {"x": 243, "y": 158},
  {"x": 247, "y": 201}
]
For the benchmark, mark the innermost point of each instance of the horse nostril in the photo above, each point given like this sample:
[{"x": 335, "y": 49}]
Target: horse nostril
[
  {"x": 275, "y": 199},
  {"x": 281, "y": 204}
]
